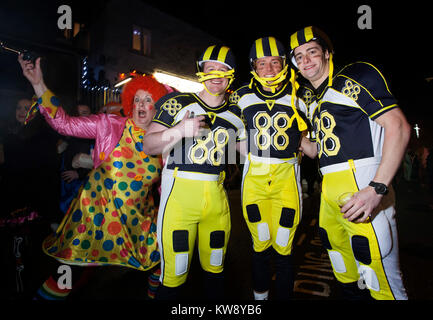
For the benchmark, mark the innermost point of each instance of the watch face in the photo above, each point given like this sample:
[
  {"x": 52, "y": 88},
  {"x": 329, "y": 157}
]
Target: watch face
[{"x": 380, "y": 188}]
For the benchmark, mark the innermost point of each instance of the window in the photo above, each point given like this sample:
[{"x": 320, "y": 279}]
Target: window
[
  {"x": 141, "y": 40},
  {"x": 72, "y": 33}
]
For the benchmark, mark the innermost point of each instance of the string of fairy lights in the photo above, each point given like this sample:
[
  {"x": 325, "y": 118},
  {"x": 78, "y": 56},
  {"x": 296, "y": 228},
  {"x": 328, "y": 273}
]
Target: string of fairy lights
[{"x": 100, "y": 95}]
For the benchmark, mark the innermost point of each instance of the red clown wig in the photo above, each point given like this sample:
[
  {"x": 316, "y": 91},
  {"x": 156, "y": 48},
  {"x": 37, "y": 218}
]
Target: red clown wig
[{"x": 146, "y": 83}]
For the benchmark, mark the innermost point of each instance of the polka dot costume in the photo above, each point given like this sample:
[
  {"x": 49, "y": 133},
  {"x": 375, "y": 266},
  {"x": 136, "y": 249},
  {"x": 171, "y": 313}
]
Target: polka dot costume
[{"x": 113, "y": 220}]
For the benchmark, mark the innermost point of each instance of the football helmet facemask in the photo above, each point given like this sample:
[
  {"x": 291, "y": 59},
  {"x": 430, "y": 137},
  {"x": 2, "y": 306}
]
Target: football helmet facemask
[{"x": 221, "y": 54}]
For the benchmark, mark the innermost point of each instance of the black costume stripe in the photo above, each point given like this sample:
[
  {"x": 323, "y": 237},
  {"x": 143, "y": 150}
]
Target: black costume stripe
[{"x": 301, "y": 37}]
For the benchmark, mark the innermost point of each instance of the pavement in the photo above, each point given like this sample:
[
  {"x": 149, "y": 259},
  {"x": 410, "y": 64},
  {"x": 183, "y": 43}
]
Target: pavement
[{"x": 314, "y": 278}]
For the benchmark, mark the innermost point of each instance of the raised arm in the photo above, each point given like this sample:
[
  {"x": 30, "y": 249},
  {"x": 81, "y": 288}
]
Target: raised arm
[{"x": 57, "y": 118}]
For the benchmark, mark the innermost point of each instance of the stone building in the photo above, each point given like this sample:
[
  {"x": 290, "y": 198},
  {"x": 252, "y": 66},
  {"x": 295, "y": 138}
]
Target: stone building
[{"x": 107, "y": 42}]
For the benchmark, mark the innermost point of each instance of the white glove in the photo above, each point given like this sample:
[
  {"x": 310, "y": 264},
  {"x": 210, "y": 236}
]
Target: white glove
[{"x": 82, "y": 160}]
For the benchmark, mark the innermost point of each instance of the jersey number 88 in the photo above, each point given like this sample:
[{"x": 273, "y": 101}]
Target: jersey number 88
[
  {"x": 279, "y": 122},
  {"x": 200, "y": 151}
]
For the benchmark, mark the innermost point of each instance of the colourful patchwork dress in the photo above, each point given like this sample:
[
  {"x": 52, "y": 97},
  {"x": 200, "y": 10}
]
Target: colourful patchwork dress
[{"x": 113, "y": 220}]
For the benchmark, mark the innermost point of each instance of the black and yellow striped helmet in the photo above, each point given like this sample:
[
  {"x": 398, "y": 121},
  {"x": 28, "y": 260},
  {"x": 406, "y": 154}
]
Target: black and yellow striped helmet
[
  {"x": 268, "y": 47},
  {"x": 216, "y": 53},
  {"x": 306, "y": 35},
  {"x": 271, "y": 47}
]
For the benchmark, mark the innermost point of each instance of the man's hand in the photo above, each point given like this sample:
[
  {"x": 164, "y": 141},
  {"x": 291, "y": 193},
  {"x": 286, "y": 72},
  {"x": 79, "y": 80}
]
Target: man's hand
[
  {"x": 160, "y": 140},
  {"x": 361, "y": 205},
  {"x": 190, "y": 127}
]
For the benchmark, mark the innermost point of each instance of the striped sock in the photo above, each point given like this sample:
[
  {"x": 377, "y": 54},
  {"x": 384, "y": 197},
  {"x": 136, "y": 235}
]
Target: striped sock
[
  {"x": 153, "y": 283},
  {"x": 50, "y": 291}
]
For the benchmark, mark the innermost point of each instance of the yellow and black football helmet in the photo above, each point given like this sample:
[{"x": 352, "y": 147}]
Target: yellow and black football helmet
[
  {"x": 221, "y": 54},
  {"x": 306, "y": 35},
  {"x": 271, "y": 47},
  {"x": 268, "y": 47},
  {"x": 303, "y": 36}
]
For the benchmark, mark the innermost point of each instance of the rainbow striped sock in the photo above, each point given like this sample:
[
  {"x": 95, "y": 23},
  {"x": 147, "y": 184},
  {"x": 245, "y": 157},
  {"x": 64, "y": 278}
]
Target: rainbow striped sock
[
  {"x": 50, "y": 291},
  {"x": 153, "y": 283}
]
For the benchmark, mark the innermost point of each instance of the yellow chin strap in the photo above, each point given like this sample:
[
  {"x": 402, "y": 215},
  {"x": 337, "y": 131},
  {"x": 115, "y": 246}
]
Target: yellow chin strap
[
  {"x": 331, "y": 70},
  {"x": 271, "y": 83},
  {"x": 202, "y": 77},
  {"x": 295, "y": 86}
]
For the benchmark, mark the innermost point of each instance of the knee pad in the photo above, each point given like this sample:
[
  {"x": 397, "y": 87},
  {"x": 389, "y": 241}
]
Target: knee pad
[
  {"x": 286, "y": 221},
  {"x": 180, "y": 241},
  {"x": 217, "y": 240},
  {"x": 337, "y": 261},
  {"x": 263, "y": 231},
  {"x": 283, "y": 236},
  {"x": 287, "y": 217},
  {"x": 181, "y": 263},
  {"x": 253, "y": 213},
  {"x": 180, "y": 244},
  {"x": 254, "y": 216},
  {"x": 336, "y": 258},
  {"x": 324, "y": 239},
  {"x": 361, "y": 249},
  {"x": 370, "y": 277}
]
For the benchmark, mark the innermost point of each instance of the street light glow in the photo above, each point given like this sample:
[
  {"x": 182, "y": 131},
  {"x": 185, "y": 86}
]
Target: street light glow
[
  {"x": 180, "y": 84},
  {"x": 121, "y": 83}
]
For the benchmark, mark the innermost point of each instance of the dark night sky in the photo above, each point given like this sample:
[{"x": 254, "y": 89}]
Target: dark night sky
[
  {"x": 399, "y": 30},
  {"x": 398, "y": 43}
]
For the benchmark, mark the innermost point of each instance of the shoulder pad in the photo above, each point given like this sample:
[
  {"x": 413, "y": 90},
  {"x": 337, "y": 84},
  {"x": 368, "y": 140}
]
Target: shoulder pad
[
  {"x": 306, "y": 94},
  {"x": 173, "y": 98},
  {"x": 366, "y": 75},
  {"x": 235, "y": 96},
  {"x": 365, "y": 84}
]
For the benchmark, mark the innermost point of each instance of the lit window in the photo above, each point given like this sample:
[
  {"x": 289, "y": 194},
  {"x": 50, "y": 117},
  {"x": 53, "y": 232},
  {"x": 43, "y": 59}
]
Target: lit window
[
  {"x": 136, "y": 39},
  {"x": 141, "y": 40},
  {"x": 77, "y": 28},
  {"x": 72, "y": 33}
]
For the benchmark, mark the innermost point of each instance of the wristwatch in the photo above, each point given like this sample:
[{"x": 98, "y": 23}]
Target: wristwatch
[{"x": 380, "y": 188}]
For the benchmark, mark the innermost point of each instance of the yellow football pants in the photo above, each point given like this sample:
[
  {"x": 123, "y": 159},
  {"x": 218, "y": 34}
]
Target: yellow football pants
[
  {"x": 271, "y": 203},
  {"x": 191, "y": 210},
  {"x": 361, "y": 251}
]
